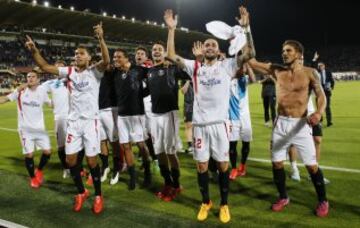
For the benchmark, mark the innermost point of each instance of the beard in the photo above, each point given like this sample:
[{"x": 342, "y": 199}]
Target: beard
[{"x": 210, "y": 58}]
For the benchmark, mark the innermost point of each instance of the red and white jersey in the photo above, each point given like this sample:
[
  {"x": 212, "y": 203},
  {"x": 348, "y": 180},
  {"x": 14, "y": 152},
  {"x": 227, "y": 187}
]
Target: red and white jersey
[
  {"x": 84, "y": 92},
  {"x": 211, "y": 90},
  {"x": 60, "y": 97},
  {"x": 30, "y": 108}
]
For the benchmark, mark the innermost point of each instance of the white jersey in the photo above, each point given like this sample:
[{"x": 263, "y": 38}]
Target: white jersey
[
  {"x": 60, "y": 97},
  {"x": 211, "y": 90},
  {"x": 84, "y": 92},
  {"x": 30, "y": 108},
  {"x": 239, "y": 99}
]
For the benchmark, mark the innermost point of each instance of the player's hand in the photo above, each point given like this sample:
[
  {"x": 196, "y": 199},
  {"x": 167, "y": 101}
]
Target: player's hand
[
  {"x": 316, "y": 56},
  {"x": 314, "y": 118},
  {"x": 22, "y": 87},
  {"x": 98, "y": 30},
  {"x": 244, "y": 19},
  {"x": 198, "y": 50},
  {"x": 170, "y": 20},
  {"x": 29, "y": 44}
]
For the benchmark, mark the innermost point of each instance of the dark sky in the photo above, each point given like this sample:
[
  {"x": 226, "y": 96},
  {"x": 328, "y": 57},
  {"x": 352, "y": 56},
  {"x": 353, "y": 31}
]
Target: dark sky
[{"x": 315, "y": 23}]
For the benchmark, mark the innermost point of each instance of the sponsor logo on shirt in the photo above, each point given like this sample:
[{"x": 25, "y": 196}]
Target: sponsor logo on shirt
[
  {"x": 31, "y": 104},
  {"x": 210, "y": 82},
  {"x": 80, "y": 85}
]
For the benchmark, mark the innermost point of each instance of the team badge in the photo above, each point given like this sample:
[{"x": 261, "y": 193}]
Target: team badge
[
  {"x": 161, "y": 72},
  {"x": 123, "y": 76}
]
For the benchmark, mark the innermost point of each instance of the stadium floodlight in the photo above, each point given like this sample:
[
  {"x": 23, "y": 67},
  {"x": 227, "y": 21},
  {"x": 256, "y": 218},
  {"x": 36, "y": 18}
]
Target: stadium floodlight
[
  {"x": 163, "y": 25},
  {"x": 17, "y": 0},
  {"x": 72, "y": 8},
  {"x": 59, "y": 6},
  {"x": 123, "y": 17},
  {"x": 46, "y": 4},
  {"x": 155, "y": 23},
  {"x": 34, "y": 2},
  {"x": 104, "y": 14},
  {"x": 133, "y": 19},
  {"x": 114, "y": 16},
  {"x": 147, "y": 22}
]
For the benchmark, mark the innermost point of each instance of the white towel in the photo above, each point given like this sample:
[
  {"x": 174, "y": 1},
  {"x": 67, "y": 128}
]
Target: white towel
[{"x": 223, "y": 31}]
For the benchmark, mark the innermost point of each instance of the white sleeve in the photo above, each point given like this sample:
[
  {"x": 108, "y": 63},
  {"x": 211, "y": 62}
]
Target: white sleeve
[
  {"x": 230, "y": 65},
  {"x": 189, "y": 66},
  {"x": 64, "y": 71},
  {"x": 46, "y": 86},
  {"x": 45, "y": 96},
  {"x": 13, "y": 95},
  {"x": 96, "y": 72}
]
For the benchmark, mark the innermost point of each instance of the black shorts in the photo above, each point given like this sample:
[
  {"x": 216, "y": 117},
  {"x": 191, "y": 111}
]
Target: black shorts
[
  {"x": 317, "y": 130},
  {"x": 188, "y": 116}
]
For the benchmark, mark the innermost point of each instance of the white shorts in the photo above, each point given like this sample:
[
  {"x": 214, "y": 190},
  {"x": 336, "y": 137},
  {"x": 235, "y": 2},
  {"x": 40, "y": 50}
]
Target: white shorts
[
  {"x": 31, "y": 141},
  {"x": 293, "y": 131},
  {"x": 241, "y": 129},
  {"x": 165, "y": 131},
  {"x": 147, "y": 119},
  {"x": 60, "y": 131},
  {"x": 131, "y": 128},
  {"x": 211, "y": 140},
  {"x": 83, "y": 133},
  {"x": 108, "y": 125}
]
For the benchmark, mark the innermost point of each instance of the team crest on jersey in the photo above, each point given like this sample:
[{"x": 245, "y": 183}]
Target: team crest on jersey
[
  {"x": 161, "y": 72},
  {"x": 124, "y": 75}
]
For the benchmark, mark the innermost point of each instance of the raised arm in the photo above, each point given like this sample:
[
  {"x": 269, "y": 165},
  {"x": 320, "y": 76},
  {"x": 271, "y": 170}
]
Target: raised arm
[
  {"x": 248, "y": 54},
  {"x": 103, "y": 64},
  {"x": 39, "y": 60},
  {"x": 171, "y": 22},
  {"x": 320, "y": 98},
  {"x": 250, "y": 72}
]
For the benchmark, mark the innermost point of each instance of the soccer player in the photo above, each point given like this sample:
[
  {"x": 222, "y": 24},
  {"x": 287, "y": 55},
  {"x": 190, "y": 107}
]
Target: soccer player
[
  {"x": 292, "y": 126},
  {"x": 317, "y": 136},
  {"x": 240, "y": 126},
  {"x": 60, "y": 100},
  {"x": 109, "y": 129},
  {"x": 211, "y": 81},
  {"x": 163, "y": 86},
  {"x": 83, "y": 121},
  {"x": 142, "y": 59},
  {"x": 129, "y": 90},
  {"x": 30, "y": 99}
]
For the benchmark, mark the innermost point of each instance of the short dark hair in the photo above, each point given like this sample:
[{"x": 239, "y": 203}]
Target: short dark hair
[
  {"x": 159, "y": 42},
  {"x": 85, "y": 48},
  {"x": 142, "y": 48},
  {"x": 126, "y": 55},
  {"x": 60, "y": 61},
  {"x": 296, "y": 45}
]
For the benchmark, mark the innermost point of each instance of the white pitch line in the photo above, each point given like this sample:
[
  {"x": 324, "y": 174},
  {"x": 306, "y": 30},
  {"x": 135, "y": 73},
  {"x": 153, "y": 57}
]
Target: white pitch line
[
  {"x": 4, "y": 223},
  {"x": 322, "y": 166},
  {"x": 16, "y": 130}
]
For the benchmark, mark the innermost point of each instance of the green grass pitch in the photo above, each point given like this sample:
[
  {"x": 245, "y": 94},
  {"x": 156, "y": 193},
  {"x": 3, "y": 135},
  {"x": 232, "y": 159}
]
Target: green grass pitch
[{"x": 249, "y": 199}]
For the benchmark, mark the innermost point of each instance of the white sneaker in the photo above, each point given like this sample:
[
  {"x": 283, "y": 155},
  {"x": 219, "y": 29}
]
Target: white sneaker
[
  {"x": 66, "y": 173},
  {"x": 268, "y": 124},
  {"x": 115, "y": 179},
  {"x": 105, "y": 174},
  {"x": 295, "y": 175},
  {"x": 326, "y": 181}
]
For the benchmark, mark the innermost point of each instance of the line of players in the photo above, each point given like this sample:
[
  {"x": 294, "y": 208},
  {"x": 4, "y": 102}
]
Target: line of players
[{"x": 129, "y": 84}]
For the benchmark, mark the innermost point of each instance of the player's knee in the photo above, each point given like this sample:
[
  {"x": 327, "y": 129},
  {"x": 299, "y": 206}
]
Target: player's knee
[
  {"x": 29, "y": 155},
  {"x": 202, "y": 167},
  {"x": 71, "y": 160},
  {"x": 92, "y": 161},
  {"x": 312, "y": 168},
  {"x": 278, "y": 165},
  {"x": 223, "y": 166}
]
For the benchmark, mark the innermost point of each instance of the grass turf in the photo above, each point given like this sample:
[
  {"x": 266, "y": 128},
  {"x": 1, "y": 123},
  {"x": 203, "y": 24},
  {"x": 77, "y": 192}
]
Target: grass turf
[{"x": 249, "y": 199}]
